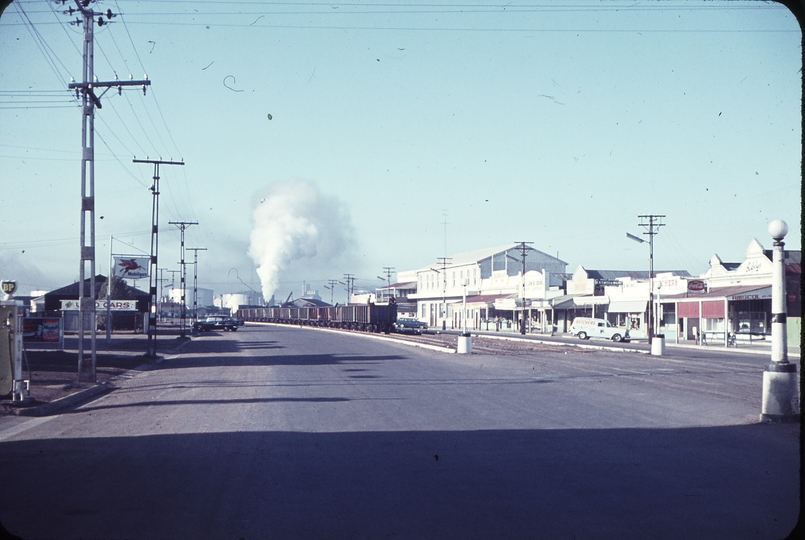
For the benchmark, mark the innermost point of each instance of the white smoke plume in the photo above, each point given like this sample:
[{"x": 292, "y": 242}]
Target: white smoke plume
[{"x": 295, "y": 223}]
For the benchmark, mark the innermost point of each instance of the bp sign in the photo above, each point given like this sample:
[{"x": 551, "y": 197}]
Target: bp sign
[{"x": 9, "y": 287}]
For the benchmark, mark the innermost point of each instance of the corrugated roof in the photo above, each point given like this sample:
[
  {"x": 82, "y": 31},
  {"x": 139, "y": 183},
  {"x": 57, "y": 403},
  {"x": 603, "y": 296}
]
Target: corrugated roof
[
  {"x": 476, "y": 255},
  {"x": 634, "y": 274}
]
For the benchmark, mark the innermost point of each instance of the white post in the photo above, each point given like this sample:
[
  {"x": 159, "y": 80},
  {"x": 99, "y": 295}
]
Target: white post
[
  {"x": 657, "y": 343},
  {"x": 109, "y": 294},
  {"x": 658, "y": 312},
  {"x": 780, "y": 381},
  {"x": 464, "y": 309},
  {"x": 464, "y": 339}
]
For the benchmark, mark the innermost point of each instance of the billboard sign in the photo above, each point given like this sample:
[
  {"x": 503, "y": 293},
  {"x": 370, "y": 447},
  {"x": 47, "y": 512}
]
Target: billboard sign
[
  {"x": 131, "y": 267},
  {"x": 41, "y": 330},
  {"x": 100, "y": 305},
  {"x": 697, "y": 286}
]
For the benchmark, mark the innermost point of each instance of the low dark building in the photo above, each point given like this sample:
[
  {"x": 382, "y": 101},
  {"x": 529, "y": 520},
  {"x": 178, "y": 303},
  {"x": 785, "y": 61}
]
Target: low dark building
[{"x": 129, "y": 305}]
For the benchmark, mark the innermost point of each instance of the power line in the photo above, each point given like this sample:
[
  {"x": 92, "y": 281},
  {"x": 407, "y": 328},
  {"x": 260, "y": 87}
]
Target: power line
[{"x": 50, "y": 57}]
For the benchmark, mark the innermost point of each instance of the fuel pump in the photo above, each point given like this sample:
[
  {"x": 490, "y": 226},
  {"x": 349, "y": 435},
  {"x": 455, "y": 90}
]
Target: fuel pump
[{"x": 11, "y": 312}]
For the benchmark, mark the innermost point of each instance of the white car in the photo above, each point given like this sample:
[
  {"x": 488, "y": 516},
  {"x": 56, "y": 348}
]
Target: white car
[{"x": 588, "y": 327}]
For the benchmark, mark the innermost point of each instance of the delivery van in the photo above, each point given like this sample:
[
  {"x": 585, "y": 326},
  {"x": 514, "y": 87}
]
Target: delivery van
[{"x": 588, "y": 327}]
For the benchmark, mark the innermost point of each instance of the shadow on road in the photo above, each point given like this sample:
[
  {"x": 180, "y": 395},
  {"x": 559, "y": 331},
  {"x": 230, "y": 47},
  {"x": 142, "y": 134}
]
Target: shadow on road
[
  {"x": 721, "y": 482},
  {"x": 272, "y": 360}
]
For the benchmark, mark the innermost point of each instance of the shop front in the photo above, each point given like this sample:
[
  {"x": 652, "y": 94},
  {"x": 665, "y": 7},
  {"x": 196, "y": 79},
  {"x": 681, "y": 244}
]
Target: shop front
[{"x": 712, "y": 316}]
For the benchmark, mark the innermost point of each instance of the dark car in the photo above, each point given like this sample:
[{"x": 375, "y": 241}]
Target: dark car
[
  {"x": 216, "y": 322},
  {"x": 409, "y": 325}
]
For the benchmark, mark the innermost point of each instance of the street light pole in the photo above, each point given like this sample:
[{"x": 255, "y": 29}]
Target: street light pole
[
  {"x": 780, "y": 393},
  {"x": 523, "y": 246},
  {"x": 464, "y": 345},
  {"x": 652, "y": 222},
  {"x": 444, "y": 261}
]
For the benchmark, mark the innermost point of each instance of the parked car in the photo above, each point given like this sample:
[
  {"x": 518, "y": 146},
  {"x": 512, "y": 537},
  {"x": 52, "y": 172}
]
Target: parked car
[
  {"x": 216, "y": 322},
  {"x": 409, "y": 325},
  {"x": 588, "y": 327}
]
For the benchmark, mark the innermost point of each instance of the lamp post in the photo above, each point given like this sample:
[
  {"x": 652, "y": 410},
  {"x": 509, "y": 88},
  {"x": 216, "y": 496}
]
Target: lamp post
[
  {"x": 658, "y": 318},
  {"x": 780, "y": 393},
  {"x": 649, "y": 325},
  {"x": 464, "y": 339},
  {"x": 444, "y": 261},
  {"x": 652, "y": 222}
]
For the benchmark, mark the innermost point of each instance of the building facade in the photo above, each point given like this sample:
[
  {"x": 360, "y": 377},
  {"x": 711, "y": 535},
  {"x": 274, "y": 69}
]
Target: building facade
[{"x": 494, "y": 286}]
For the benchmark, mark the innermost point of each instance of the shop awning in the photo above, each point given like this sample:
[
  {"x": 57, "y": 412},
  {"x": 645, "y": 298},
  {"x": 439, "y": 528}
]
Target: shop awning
[
  {"x": 572, "y": 302},
  {"x": 628, "y": 306}
]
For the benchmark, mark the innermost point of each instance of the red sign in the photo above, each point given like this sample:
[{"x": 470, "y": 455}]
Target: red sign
[
  {"x": 696, "y": 285},
  {"x": 40, "y": 329}
]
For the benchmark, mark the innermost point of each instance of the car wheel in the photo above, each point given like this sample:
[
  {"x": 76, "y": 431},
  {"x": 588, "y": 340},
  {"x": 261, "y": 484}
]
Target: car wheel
[
  {"x": 616, "y": 338},
  {"x": 582, "y": 335},
  {"x": 234, "y": 329}
]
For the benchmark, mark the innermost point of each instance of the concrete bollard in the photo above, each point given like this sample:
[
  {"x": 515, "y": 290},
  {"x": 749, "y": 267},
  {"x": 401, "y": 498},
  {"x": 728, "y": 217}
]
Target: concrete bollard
[
  {"x": 780, "y": 400},
  {"x": 658, "y": 345},
  {"x": 464, "y": 344}
]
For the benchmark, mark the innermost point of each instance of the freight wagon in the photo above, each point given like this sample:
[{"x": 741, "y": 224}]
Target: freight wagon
[{"x": 364, "y": 317}]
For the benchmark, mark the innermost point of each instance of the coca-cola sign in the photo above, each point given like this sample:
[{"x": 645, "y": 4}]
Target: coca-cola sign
[{"x": 697, "y": 285}]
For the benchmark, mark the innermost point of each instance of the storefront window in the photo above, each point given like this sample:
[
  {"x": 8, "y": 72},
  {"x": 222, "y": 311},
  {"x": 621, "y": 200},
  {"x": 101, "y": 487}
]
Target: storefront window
[
  {"x": 752, "y": 321},
  {"x": 714, "y": 325}
]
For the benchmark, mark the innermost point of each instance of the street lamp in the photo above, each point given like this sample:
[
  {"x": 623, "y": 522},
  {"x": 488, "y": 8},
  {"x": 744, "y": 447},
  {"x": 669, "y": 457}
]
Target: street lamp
[
  {"x": 658, "y": 318},
  {"x": 388, "y": 283},
  {"x": 650, "y": 325},
  {"x": 780, "y": 393},
  {"x": 464, "y": 339}
]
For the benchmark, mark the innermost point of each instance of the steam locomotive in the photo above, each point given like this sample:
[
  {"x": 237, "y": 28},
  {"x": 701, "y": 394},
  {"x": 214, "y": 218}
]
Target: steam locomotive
[{"x": 363, "y": 317}]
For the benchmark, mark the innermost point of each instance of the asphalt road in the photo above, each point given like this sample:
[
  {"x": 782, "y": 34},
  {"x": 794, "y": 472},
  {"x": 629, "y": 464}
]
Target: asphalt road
[{"x": 283, "y": 432}]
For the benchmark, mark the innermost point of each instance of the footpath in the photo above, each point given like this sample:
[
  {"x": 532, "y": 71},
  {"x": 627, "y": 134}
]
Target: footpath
[
  {"x": 756, "y": 347},
  {"x": 53, "y": 374}
]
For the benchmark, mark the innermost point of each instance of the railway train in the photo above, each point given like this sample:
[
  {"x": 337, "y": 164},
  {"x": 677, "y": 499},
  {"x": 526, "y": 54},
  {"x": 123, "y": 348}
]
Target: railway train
[{"x": 364, "y": 317}]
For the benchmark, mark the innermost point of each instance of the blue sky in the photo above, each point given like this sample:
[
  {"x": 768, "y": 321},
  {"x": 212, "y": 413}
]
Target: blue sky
[{"x": 552, "y": 123}]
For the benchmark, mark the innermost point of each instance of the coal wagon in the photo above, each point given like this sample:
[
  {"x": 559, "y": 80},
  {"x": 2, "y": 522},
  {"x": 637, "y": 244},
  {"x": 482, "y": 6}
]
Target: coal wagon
[{"x": 361, "y": 317}]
